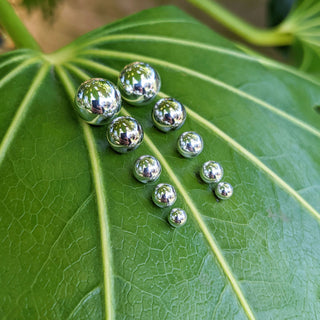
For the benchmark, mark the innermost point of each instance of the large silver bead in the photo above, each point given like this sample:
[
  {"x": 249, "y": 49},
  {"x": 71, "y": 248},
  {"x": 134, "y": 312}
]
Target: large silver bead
[
  {"x": 164, "y": 195},
  {"x": 147, "y": 169},
  {"x": 223, "y": 190},
  {"x": 190, "y": 144},
  {"x": 177, "y": 217},
  {"x": 124, "y": 134},
  {"x": 211, "y": 172},
  {"x": 168, "y": 114},
  {"x": 97, "y": 101},
  {"x": 139, "y": 83}
]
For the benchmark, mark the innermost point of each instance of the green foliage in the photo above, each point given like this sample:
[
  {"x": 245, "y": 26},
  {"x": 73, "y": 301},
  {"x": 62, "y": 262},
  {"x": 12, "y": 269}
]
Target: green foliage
[
  {"x": 80, "y": 237},
  {"x": 47, "y": 6},
  {"x": 304, "y": 23}
]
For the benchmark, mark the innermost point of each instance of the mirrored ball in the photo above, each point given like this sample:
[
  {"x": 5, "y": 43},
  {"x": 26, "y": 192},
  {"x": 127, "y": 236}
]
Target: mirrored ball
[
  {"x": 211, "y": 172},
  {"x": 168, "y": 114},
  {"x": 97, "y": 101},
  {"x": 177, "y": 217},
  {"x": 139, "y": 83},
  {"x": 164, "y": 195},
  {"x": 124, "y": 134},
  {"x": 223, "y": 190},
  {"x": 147, "y": 169},
  {"x": 190, "y": 144}
]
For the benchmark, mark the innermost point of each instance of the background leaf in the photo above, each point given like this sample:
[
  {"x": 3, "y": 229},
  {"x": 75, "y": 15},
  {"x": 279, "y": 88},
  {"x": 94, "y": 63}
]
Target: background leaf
[
  {"x": 304, "y": 23},
  {"x": 80, "y": 237}
]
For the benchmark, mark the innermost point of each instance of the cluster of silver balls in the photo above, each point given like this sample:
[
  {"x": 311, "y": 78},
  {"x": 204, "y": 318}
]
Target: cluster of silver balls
[{"x": 98, "y": 102}]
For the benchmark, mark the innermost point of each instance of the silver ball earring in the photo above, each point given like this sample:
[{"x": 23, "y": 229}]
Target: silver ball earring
[
  {"x": 211, "y": 172},
  {"x": 124, "y": 134},
  {"x": 190, "y": 144},
  {"x": 139, "y": 83},
  {"x": 147, "y": 169},
  {"x": 164, "y": 195},
  {"x": 168, "y": 114},
  {"x": 97, "y": 101},
  {"x": 223, "y": 190},
  {"x": 177, "y": 217}
]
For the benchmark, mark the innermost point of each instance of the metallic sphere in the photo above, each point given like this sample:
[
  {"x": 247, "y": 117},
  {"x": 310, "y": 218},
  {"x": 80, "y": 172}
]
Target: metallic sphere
[
  {"x": 139, "y": 83},
  {"x": 177, "y": 217},
  {"x": 223, "y": 190},
  {"x": 97, "y": 101},
  {"x": 211, "y": 172},
  {"x": 164, "y": 195},
  {"x": 147, "y": 169},
  {"x": 168, "y": 114},
  {"x": 124, "y": 134},
  {"x": 190, "y": 144}
]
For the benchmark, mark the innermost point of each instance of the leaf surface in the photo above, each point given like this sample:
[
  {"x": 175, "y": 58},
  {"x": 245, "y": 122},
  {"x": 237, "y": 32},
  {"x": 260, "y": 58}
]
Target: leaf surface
[{"x": 80, "y": 237}]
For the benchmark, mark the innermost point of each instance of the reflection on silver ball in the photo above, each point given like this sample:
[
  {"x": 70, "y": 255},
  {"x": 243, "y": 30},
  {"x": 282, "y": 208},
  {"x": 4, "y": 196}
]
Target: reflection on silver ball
[
  {"x": 139, "y": 83},
  {"x": 97, "y": 101},
  {"x": 211, "y": 172},
  {"x": 168, "y": 114},
  {"x": 177, "y": 217},
  {"x": 164, "y": 195},
  {"x": 190, "y": 144},
  {"x": 147, "y": 169},
  {"x": 124, "y": 134},
  {"x": 223, "y": 190}
]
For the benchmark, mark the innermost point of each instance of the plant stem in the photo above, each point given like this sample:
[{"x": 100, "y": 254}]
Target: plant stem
[
  {"x": 268, "y": 37},
  {"x": 15, "y": 28}
]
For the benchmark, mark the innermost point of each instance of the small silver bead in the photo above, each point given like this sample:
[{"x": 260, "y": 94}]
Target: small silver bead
[
  {"x": 211, "y": 172},
  {"x": 164, "y": 195},
  {"x": 97, "y": 101},
  {"x": 168, "y": 114},
  {"x": 124, "y": 134},
  {"x": 223, "y": 190},
  {"x": 190, "y": 144},
  {"x": 147, "y": 169},
  {"x": 177, "y": 217},
  {"x": 139, "y": 83}
]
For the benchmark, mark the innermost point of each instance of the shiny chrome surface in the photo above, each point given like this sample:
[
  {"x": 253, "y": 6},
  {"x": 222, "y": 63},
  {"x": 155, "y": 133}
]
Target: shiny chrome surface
[
  {"x": 124, "y": 134},
  {"x": 211, "y": 172},
  {"x": 168, "y": 114},
  {"x": 223, "y": 190},
  {"x": 147, "y": 169},
  {"x": 177, "y": 217},
  {"x": 97, "y": 101},
  {"x": 139, "y": 83},
  {"x": 164, "y": 195},
  {"x": 190, "y": 144}
]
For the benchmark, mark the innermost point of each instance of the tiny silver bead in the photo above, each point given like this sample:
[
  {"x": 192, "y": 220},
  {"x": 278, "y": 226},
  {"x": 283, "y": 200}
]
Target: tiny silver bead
[
  {"x": 177, "y": 217},
  {"x": 211, "y": 172},
  {"x": 147, "y": 169},
  {"x": 223, "y": 190},
  {"x": 97, "y": 101},
  {"x": 139, "y": 83},
  {"x": 190, "y": 144},
  {"x": 168, "y": 114},
  {"x": 124, "y": 134},
  {"x": 164, "y": 195}
]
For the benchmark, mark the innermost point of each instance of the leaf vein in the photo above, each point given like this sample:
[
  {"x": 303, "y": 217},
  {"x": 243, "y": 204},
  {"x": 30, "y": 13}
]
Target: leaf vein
[{"x": 101, "y": 202}]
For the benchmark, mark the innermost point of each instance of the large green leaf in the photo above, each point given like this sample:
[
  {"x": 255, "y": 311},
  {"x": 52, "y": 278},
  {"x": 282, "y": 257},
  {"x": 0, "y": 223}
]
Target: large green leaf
[{"x": 80, "y": 237}]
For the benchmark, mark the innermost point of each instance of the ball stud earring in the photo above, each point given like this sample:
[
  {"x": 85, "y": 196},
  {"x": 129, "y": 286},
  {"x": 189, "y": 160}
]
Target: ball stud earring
[
  {"x": 97, "y": 101},
  {"x": 139, "y": 83}
]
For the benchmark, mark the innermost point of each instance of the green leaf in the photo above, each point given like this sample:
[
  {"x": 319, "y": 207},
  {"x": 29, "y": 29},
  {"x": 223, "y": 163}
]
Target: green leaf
[
  {"x": 304, "y": 23},
  {"x": 80, "y": 237}
]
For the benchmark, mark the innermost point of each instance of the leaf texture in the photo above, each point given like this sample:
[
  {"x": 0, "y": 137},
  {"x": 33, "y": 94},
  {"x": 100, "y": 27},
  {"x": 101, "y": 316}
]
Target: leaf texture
[{"x": 80, "y": 237}]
